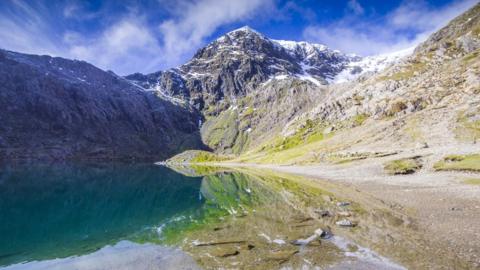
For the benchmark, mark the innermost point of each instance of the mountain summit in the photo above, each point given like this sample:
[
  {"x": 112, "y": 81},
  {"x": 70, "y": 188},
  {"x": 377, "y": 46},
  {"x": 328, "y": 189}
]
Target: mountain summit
[
  {"x": 245, "y": 69},
  {"x": 239, "y": 61}
]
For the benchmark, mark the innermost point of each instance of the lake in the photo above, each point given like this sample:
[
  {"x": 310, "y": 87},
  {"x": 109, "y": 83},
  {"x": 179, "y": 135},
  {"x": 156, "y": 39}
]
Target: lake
[{"x": 123, "y": 216}]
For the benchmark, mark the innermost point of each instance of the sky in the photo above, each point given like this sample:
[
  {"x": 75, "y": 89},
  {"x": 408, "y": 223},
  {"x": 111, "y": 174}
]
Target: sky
[{"x": 128, "y": 36}]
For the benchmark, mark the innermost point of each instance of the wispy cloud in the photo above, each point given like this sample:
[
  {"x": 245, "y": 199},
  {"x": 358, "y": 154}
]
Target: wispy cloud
[
  {"x": 406, "y": 26},
  {"x": 124, "y": 42},
  {"x": 128, "y": 37},
  {"x": 126, "y": 46},
  {"x": 23, "y": 28}
]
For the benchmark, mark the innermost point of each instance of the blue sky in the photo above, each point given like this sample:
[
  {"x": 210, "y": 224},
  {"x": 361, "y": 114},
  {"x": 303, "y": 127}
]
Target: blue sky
[{"x": 146, "y": 36}]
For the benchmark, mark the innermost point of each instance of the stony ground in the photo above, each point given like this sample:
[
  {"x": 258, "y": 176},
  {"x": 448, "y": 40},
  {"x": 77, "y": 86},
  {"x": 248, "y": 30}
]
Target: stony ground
[{"x": 446, "y": 208}]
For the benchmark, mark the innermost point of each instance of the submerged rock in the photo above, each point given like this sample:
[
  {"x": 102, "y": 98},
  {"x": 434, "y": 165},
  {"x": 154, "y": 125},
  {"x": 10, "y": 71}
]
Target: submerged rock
[
  {"x": 323, "y": 213},
  {"x": 225, "y": 253},
  {"x": 303, "y": 242}
]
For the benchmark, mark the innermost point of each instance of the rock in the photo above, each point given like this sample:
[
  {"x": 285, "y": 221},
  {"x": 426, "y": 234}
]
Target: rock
[
  {"x": 323, "y": 213},
  {"x": 345, "y": 223},
  {"x": 327, "y": 233},
  {"x": 219, "y": 243},
  {"x": 343, "y": 203},
  {"x": 282, "y": 255},
  {"x": 422, "y": 145},
  {"x": 279, "y": 242},
  {"x": 328, "y": 130},
  {"x": 303, "y": 242},
  {"x": 225, "y": 252},
  {"x": 55, "y": 108},
  {"x": 344, "y": 213}
]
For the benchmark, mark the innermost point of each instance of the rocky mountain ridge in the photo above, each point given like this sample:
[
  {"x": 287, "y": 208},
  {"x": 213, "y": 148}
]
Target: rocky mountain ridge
[
  {"x": 247, "y": 86},
  {"x": 242, "y": 93},
  {"x": 55, "y": 108}
]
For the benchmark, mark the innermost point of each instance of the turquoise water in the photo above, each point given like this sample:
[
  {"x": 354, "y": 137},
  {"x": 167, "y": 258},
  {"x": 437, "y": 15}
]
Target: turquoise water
[
  {"x": 56, "y": 211},
  {"x": 119, "y": 215}
]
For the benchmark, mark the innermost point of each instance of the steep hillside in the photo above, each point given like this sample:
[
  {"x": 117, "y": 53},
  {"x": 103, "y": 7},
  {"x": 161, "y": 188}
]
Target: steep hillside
[
  {"x": 428, "y": 102},
  {"x": 55, "y": 108},
  {"x": 248, "y": 87}
]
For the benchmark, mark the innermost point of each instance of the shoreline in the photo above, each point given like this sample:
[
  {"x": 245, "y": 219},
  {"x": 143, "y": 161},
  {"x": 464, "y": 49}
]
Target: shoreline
[{"x": 445, "y": 207}]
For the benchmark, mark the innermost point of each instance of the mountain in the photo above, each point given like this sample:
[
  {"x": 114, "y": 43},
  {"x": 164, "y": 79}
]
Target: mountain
[
  {"x": 247, "y": 95},
  {"x": 427, "y": 103},
  {"x": 248, "y": 87},
  {"x": 54, "y": 108},
  {"x": 240, "y": 61}
]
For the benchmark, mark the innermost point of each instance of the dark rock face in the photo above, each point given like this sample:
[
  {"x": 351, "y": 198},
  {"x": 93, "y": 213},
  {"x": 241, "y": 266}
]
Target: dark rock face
[
  {"x": 236, "y": 64},
  {"x": 55, "y": 108},
  {"x": 248, "y": 86}
]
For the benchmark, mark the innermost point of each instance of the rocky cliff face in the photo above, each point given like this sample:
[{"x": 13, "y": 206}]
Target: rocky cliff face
[
  {"x": 442, "y": 71},
  {"x": 248, "y": 86},
  {"x": 56, "y": 108}
]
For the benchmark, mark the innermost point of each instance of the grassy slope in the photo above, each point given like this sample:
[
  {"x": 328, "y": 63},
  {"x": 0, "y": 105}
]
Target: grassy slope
[
  {"x": 459, "y": 163},
  {"x": 402, "y": 166}
]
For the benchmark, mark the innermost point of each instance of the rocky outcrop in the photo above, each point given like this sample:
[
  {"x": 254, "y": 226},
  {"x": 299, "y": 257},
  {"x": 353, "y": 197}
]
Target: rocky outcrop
[
  {"x": 442, "y": 71},
  {"x": 248, "y": 86},
  {"x": 55, "y": 108}
]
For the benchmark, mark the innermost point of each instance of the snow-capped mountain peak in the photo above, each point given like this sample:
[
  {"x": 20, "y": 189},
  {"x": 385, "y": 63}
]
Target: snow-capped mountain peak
[{"x": 244, "y": 59}]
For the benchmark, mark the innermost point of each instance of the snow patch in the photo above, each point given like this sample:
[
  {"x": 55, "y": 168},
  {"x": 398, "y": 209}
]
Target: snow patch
[{"x": 374, "y": 64}]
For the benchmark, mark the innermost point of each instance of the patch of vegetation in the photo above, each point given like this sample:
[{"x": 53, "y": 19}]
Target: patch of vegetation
[
  {"x": 412, "y": 129},
  {"x": 396, "y": 107},
  {"x": 472, "y": 181},
  {"x": 459, "y": 163},
  {"x": 473, "y": 55},
  {"x": 359, "y": 119},
  {"x": 403, "y": 166},
  {"x": 467, "y": 128},
  {"x": 196, "y": 156},
  {"x": 310, "y": 132},
  {"x": 204, "y": 156},
  {"x": 249, "y": 111},
  {"x": 407, "y": 73},
  {"x": 283, "y": 149},
  {"x": 222, "y": 130}
]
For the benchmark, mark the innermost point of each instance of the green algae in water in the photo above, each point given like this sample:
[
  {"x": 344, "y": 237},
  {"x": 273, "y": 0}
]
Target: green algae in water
[{"x": 58, "y": 211}]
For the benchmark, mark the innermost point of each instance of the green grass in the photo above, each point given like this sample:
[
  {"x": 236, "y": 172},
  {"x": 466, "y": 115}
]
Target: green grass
[
  {"x": 284, "y": 149},
  {"x": 359, "y": 119},
  {"x": 472, "y": 181},
  {"x": 407, "y": 73},
  {"x": 203, "y": 156},
  {"x": 468, "y": 129},
  {"x": 403, "y": 166},
  {"x": 197, "y": 156},
  {"x": 249, "y": 111},
  {"x": 459, "y": 163}
]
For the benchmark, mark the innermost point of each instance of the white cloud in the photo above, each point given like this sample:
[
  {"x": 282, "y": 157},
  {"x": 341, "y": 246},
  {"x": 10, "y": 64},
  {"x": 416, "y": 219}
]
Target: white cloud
[
  {"x": 198, "y": 20},
  {"x": 406, "y": 26},
  {"x": 126, "y": 46},
  {"x": 136, "y": 41},
  {"x": 22, "y": 28},
  {"x": 124, "y": 42}
]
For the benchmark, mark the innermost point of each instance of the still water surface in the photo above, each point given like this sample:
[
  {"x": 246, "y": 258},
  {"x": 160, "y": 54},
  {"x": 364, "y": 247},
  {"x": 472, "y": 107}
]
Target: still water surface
[{"x": 61, "y": 216}]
